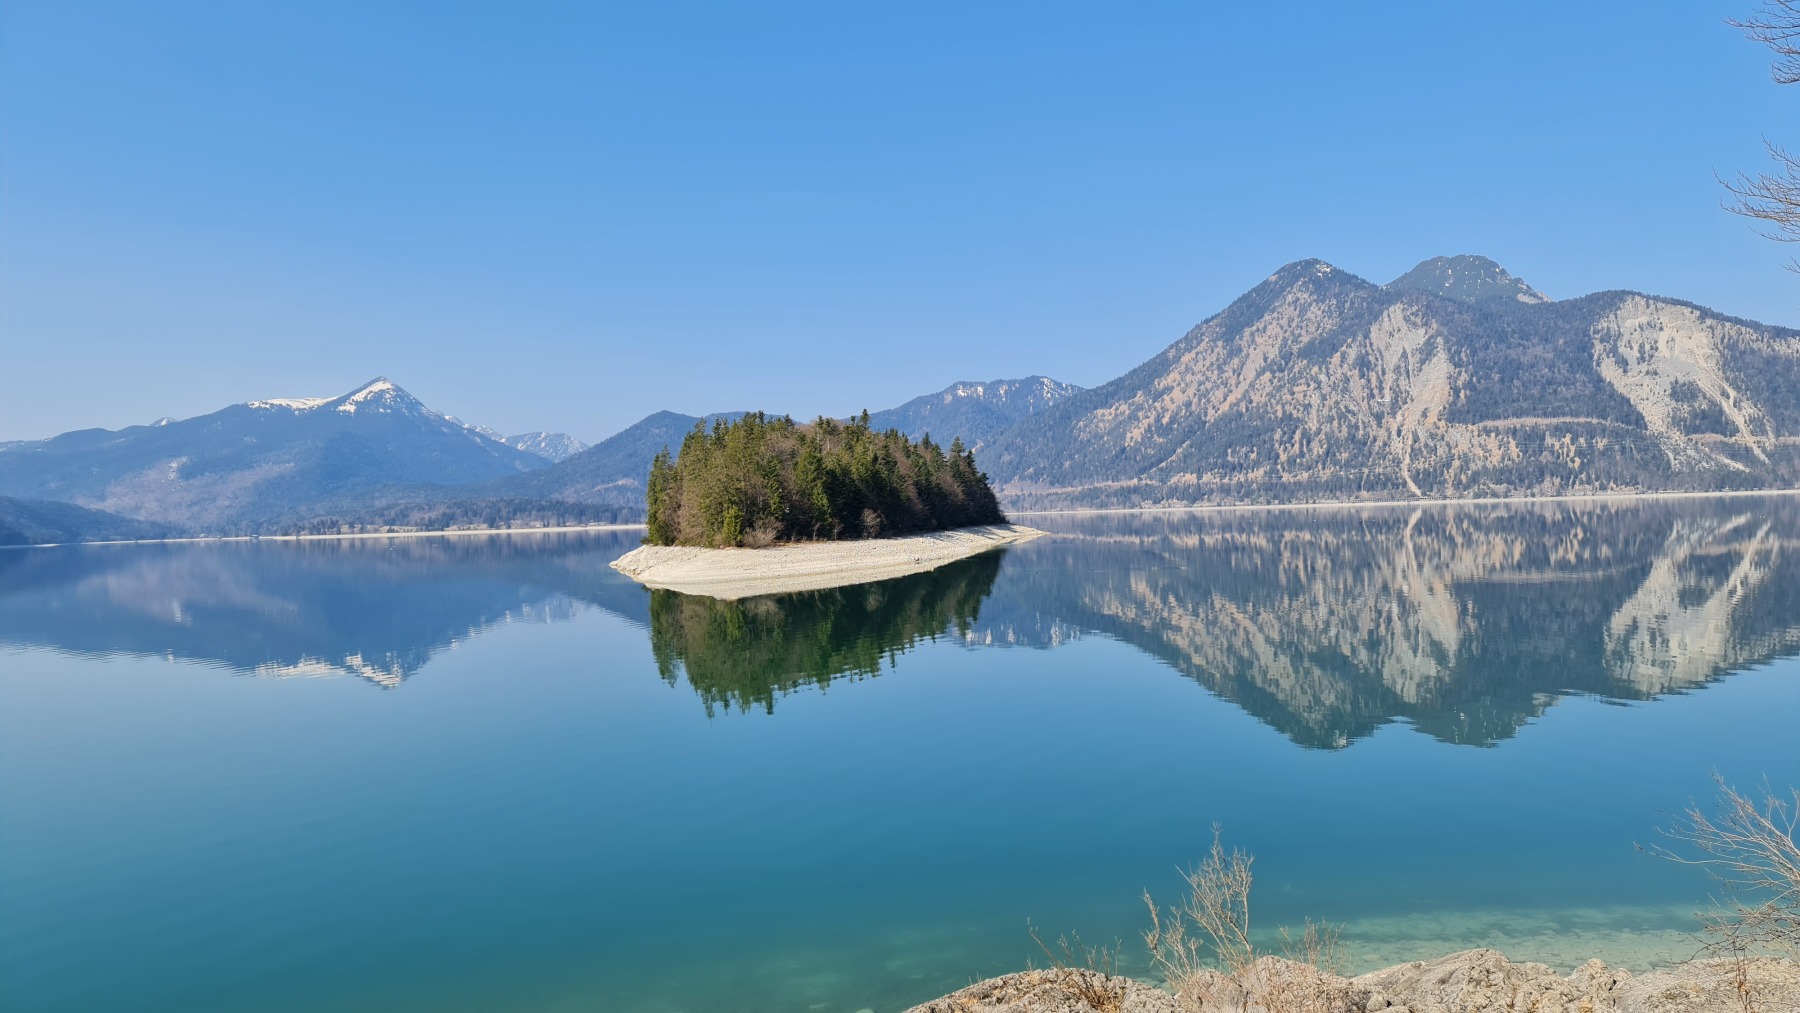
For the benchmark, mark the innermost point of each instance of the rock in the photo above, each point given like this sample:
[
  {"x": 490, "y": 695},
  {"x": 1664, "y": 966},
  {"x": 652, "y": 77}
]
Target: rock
[
  {"x": 1474, "y": 981},
  {"x": 1482, "y": 980},
  {"x": 1054, "y": 991},
  {"x": 1703, "y": 986}
]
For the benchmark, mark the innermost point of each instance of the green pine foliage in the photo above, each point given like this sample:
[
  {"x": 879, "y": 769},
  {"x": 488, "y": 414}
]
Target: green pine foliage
[{"x": 763, "y": 479}]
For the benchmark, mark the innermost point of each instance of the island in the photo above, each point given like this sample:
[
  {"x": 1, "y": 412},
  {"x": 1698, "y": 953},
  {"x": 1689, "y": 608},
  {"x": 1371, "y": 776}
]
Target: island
[{"x": 764, "y": 505}]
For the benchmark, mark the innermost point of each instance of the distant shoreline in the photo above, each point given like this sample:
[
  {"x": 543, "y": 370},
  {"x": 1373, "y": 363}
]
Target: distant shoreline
[
  {"x": 446, "y": 533},
  {"x": 1592, "y": 497},
  {"x": 1589, "y": 497}
]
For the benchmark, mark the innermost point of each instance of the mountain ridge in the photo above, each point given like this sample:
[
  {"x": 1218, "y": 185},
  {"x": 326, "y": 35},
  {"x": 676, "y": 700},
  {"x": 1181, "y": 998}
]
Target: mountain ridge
[
  {"x": 1455, "y": 380},
  {"x": 1318, "y": 384},
  {"x": 247, "y": 464}
]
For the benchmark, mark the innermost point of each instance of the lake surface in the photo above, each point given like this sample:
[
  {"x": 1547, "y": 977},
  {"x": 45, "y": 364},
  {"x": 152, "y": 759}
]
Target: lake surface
[{"x": 489, "y": 773}]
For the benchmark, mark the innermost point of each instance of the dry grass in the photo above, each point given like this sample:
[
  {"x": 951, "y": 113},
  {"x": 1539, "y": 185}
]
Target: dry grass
[{"x": 1089, "y": 973}]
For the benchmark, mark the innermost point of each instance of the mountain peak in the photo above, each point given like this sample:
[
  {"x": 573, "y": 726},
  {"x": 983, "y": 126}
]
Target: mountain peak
[
  {"x": 380, "y": 395},
  {"x": 1467, "y": 278}
]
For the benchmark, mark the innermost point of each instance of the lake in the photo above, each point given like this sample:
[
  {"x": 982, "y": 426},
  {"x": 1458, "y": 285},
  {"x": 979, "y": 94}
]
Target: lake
[{"x": 487, "y": 772}]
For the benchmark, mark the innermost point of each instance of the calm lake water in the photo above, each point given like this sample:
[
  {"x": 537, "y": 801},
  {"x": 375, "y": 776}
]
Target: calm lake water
[{"x": 486, "y": 773}]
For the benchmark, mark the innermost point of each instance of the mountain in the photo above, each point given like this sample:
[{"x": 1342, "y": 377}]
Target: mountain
[
  {"x": 250, "y": 465},
  {"x": 1318, "y": 385},
  {"x": 609, "y": 473},
  {"x": 46, "y": 522},
  {"x": 552, "y": 447},
  {"x": 976, "y": 412},
  {"x": 1467, "y": 278}
]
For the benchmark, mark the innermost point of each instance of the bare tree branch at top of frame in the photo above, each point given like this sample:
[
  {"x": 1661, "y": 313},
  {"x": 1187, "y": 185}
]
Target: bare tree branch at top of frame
[
  {"x": 1773, "y": 197},
  {"x": 1777, "y": 25}
]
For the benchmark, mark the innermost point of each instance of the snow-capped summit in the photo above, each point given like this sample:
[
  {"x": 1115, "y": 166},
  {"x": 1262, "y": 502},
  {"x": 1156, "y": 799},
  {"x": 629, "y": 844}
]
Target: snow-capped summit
[
  {"x": 549, "y": 446},
  {"x": 246, "y": 464},
  {"x": 378, "y": 395}
]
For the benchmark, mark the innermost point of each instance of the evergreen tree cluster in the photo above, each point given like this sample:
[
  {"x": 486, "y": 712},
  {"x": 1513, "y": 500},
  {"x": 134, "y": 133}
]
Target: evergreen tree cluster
[{"x": 762, "y": 479}]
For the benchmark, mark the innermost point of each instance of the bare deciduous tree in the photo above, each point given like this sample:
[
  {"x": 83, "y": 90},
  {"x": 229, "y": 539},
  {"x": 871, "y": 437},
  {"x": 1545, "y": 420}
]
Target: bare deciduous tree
[
  {"x": 1750, "y": 848},
  {"x": 1773, "y": 197}
]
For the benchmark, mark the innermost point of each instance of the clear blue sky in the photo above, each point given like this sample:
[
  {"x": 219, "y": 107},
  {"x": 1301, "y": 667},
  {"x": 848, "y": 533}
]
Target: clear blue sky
[{"x": 565, "y": 216}]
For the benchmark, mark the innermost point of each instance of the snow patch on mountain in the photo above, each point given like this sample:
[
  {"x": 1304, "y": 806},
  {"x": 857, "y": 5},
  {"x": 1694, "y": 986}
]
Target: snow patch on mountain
[
  {"x": 295, "y": 404},
  {"x": 549, "y": 446},
  {"x": 380, "y": 395}
]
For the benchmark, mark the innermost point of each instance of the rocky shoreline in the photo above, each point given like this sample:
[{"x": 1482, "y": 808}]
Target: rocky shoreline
[
  {"x": 1473, "y": 981},
  {"x": 808, "y": 566}
]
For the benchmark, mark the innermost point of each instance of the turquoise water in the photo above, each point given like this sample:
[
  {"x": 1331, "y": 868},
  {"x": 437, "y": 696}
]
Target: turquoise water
[{"x": 487, "y": 773}]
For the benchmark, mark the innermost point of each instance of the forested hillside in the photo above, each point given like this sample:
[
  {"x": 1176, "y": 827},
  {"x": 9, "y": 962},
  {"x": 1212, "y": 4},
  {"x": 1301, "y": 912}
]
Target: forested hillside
[
  {"x": 43, "y": 522},
  {"x": 761, "y": 479}
]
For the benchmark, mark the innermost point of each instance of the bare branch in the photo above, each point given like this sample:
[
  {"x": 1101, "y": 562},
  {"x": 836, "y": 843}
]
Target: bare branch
[
  {"x": 1770, "y": 197},
  {"x": 1777, "y": 25},
  {"x": 1750, "y": 849}
]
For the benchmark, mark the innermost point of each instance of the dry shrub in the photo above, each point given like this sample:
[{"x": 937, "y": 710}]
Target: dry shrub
[
  {"x": 1089, "y": 973},
  {"x": 1748, "y": 847},
  {"x": 1201, "y": 945},
  {"x": 762, "y": 534}
]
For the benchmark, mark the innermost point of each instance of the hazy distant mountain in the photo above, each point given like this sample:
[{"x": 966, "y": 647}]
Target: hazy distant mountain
[
  {"x": 44, "y": 522},
  {"x": 610, "y": 472},
  {"x": 1319, "y": 385},
  {"x": 248, "y": 464},
  {"x": 977, "y": 412},
  {"x": 551, "y": 447}
]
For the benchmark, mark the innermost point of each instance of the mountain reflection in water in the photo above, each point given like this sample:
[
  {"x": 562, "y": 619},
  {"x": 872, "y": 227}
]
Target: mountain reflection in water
[{"x": 1465, "y": 621}]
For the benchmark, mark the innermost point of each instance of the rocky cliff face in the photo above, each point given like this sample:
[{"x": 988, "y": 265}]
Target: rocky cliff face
[{"x": 1320, "y": 385}]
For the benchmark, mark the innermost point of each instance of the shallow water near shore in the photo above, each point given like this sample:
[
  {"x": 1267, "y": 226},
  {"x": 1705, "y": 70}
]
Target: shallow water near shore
[{"x": 482, "y": 773}]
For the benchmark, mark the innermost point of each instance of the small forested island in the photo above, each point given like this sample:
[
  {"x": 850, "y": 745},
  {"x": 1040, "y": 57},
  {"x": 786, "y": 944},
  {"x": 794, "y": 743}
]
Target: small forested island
[
  {"x": 761, "y": 480},
  {"x": 765, "y": 505}
]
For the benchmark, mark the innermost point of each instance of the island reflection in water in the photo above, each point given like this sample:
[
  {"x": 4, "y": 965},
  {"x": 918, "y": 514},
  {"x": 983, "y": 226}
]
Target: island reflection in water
[
  {"x": 1464, "y": 621},
  {"x": 745, "y": 653}
]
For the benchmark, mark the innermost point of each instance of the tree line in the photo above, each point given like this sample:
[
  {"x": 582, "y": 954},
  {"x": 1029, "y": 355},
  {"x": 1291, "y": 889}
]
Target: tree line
[{"x": 762, "y": 479}]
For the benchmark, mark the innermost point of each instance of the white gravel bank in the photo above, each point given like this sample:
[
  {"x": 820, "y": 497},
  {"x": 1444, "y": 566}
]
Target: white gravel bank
[{"x": 808, "y": 566}]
